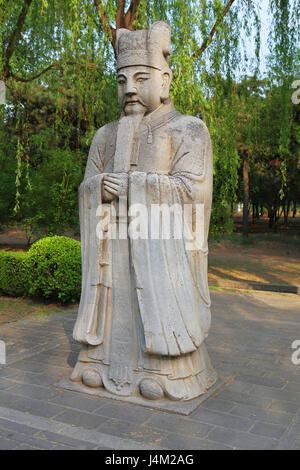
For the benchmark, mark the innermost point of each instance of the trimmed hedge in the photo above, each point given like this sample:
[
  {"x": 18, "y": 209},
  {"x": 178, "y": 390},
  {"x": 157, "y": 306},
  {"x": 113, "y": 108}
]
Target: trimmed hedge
[
  {"x": 13, "y": 273},
  {"x": 50, "y": 269},
  {"x": 54, "y": 269}
]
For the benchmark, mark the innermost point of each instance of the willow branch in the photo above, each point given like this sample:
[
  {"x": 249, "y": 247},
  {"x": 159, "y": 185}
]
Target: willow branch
[
  {"x": 108, "y": 30},
  {"x": 130, "y": 15},
  {"x": 209, "y": 39},
  {"x": 90, "y": 66},
  {"x": 14, "y": 38}
]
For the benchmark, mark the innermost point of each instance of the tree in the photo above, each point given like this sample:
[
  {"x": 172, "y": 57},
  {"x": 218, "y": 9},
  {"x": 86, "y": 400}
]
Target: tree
[{"x": 50, "y": 50}]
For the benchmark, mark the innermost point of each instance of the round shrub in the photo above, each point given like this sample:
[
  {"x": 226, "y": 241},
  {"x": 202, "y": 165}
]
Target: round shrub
[
  {"x": 55, "y": 269},
  {"x": 13, "y": 273}
]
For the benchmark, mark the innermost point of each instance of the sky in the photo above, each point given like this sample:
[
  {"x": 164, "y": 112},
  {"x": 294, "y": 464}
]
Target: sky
[{"x": 265, "y": 29}]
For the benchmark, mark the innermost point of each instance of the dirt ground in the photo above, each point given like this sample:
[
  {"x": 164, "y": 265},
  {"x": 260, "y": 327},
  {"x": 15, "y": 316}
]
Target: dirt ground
[
  {"x": 263, "y": 261},
  {"x": 14, "y": 309}
]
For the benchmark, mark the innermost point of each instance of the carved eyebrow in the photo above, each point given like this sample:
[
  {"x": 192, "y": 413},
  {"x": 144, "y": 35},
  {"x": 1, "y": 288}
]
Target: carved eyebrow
[
  {"x": 141, "y": 72},
  {"x": 138, "y": 72}
]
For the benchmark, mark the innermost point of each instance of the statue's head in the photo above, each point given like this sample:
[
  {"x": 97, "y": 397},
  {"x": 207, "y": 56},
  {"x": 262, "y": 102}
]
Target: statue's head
[{"x": 144, "y": 75}]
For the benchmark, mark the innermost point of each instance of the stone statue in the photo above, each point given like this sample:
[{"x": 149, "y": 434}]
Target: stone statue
[{"x": 144, "y": 312}]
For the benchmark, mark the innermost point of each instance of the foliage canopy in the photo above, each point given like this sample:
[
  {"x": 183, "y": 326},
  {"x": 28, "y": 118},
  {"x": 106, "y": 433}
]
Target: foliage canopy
[{"x": 58, "y": 63}]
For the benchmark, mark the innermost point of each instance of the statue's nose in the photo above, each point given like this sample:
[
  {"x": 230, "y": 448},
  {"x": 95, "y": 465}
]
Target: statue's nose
[{"x": 130, "y": 89}]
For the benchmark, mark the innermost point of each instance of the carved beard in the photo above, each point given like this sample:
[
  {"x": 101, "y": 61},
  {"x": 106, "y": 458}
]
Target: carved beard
[{"x": 137, "y": 108}]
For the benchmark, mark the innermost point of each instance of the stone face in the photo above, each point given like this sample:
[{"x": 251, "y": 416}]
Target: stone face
[{"x": 145, "y": 205}]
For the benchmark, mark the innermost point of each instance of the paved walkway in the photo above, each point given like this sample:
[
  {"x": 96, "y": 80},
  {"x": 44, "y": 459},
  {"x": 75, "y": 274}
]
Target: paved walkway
[{"x": 250, "y": 340}]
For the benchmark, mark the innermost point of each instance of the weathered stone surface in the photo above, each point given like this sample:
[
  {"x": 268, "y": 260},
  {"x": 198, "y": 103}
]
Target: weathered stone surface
[{"x": 144, "y": 313}]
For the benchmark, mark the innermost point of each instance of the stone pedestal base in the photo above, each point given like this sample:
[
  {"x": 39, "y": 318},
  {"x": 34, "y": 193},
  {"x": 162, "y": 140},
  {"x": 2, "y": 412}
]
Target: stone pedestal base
[{"x": 178, "y": 407}]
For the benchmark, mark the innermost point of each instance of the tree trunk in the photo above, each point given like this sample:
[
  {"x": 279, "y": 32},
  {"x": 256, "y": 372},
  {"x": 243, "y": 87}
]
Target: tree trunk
[
  {"x": 271, "y": 216},
  {"x": 276, "y": 218},
  {"x": 294, "y": 210},
  {"x": 286, "y": 213},
  {"x": 246, "y": 196}
]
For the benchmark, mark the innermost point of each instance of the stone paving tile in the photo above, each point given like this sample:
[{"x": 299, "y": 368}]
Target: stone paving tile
[
  {"x": 58, "y": 360},
  {"x": 181, "y": 442},
  {"x": 65, "y": 440},
  {"x": 25, "y": 439},
  {"x": 36, "y": 407},
  {"x": 5, "y": 384},
  {"x": 260, "y": 414},
  {"x": 286, "y": 395},
  {"x": 8, "y": 444},
  {"x": 132, "y": 413},
  {"x": 35, "y": 391},
  {"x": 245, "y": 398},
  {"x": 21, "y": 446},
  {"x": 31, "y": 379},
  {"x": 79, "y": 418},
  {"x": 30, "y": 366},
  {"x": 284, "y": 406},
  {"x": 76, "y": 400},
  {"x": 268, "y": 429},
  {"x": 216, "y": 404},
  {"x": 250, "y": 342},
  {"x": 242, "y": 440},
  {"x": 222, "y": 419},
  {"x": 8, "y": 372},
  {"x": 240, "y": 386},
  {"x": 276, "y": 382},
  {"x": 100, "y": 439},
  {"x": 20, "y": 428},
  {"x": 139, "y": 433},
  {"x": 180, "y": 424},
  {"x": 292, "y": 387},
  {"x": 42, "y": 369}
]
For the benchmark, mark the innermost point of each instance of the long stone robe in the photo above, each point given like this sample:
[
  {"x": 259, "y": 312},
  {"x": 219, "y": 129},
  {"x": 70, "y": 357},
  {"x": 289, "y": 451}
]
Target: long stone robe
[{"x": 145, "y": 307}]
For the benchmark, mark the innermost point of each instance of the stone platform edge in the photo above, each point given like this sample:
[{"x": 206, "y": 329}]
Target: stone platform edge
[
  {"x": 178, "y": 407},
  {"x": 258, "y": 286}
]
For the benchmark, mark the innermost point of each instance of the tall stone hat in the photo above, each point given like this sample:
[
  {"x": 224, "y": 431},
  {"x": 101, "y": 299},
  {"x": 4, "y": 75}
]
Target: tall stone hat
[{"x": 149, "y": 47}]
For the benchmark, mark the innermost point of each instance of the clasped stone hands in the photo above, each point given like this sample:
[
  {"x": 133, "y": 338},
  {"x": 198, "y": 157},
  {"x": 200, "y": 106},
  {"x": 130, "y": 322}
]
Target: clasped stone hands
[{"x": 114, "y": 185}]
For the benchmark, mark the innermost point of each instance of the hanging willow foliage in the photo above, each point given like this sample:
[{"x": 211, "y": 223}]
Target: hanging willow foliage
[{"x": 58, "y": 62}]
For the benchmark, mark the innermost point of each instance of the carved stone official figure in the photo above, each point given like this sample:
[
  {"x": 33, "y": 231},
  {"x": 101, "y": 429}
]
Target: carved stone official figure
[{"x": 144, "y": 312}]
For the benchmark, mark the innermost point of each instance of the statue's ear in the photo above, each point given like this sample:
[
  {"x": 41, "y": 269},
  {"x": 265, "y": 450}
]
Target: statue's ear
[
  {"x": 167, "y": 78},
  {"x": 119, "y": 33}
]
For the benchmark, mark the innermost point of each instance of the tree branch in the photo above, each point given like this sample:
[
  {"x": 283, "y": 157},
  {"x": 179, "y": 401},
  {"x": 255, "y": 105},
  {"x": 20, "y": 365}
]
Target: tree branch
[
  {"x": 209, "y": 39},
  {"x": 120, "y": 14},
  {"x": 14, "y": 38},
  {"x": 26, "y": 80},
  {"x": 108, "y": 30},
  {"x": 130, "y": 15},
  {"x": 90, "y": 66}
]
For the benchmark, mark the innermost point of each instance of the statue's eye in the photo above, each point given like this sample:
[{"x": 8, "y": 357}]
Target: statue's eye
[
  {"x": 121, "y": 81},
  {"x": 141, "y": 79}
]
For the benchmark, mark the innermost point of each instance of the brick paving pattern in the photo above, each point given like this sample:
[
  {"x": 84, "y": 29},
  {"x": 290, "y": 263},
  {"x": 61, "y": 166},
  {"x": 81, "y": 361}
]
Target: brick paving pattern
[{"x": 250, "y": 340}]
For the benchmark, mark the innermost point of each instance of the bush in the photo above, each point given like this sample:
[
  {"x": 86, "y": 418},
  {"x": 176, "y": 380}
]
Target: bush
[
  {"x": 13, "y": 273},
  {"x": 54, "y": 269}
]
